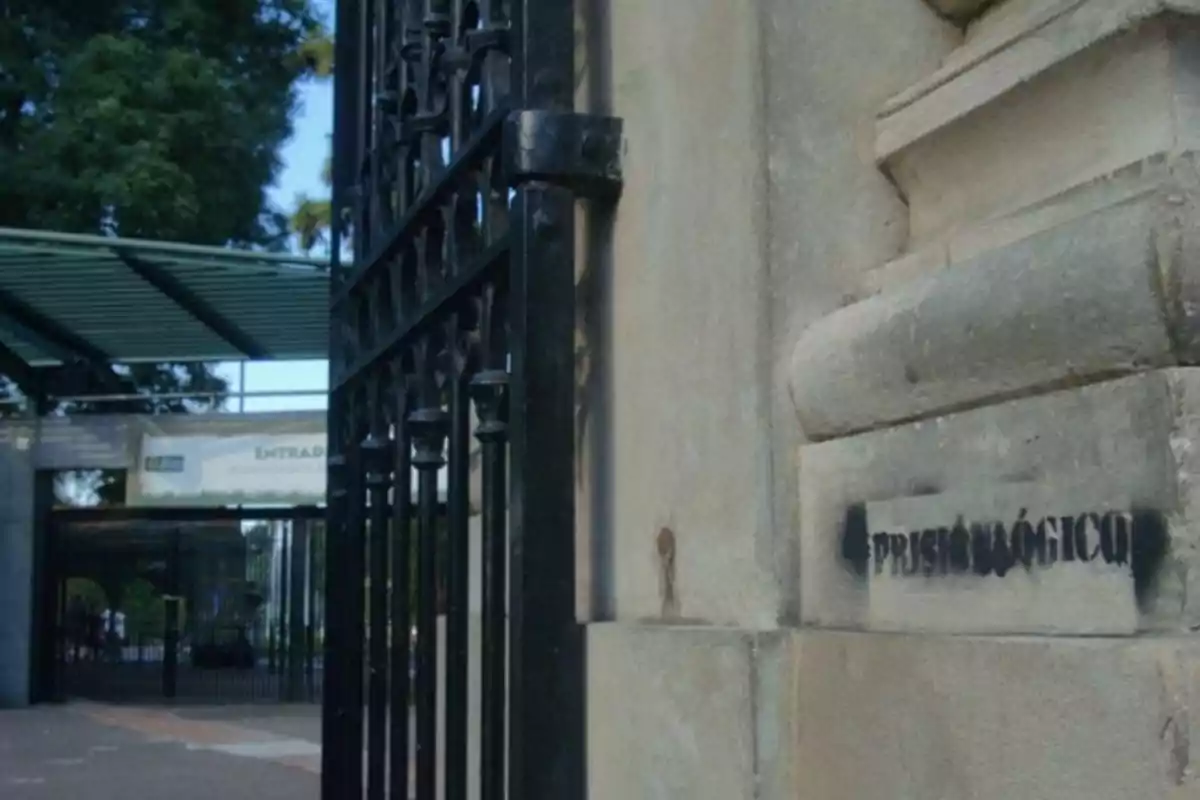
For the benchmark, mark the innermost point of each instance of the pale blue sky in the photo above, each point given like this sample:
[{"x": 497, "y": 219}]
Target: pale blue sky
[{"x": 303, "y": 157}]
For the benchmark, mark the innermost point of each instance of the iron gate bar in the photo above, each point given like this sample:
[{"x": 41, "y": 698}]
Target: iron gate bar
[
  {"x": 489, "y": 389},
  {"x": 377, "y": 457},
  {"x": 429, "y": 425},
  {"x": 356, "y": 541},
  {"x": 398, "y": 740},
  {"x": 457, "y": 571},
  {"x": 441, "y": 302},
  {"x": 335, "y": 712},
  {"x": 462, "y": 292},
  {"x": 283, "y": 650},
  {"x": 480, "y": 146}
]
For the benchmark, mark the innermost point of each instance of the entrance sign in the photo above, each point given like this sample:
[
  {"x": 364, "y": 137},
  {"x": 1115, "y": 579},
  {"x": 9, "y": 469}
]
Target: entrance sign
[{"x": 194, "y": 470}]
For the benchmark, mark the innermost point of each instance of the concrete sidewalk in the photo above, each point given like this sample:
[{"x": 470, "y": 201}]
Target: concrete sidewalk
[{"x": 96, "y": 752}]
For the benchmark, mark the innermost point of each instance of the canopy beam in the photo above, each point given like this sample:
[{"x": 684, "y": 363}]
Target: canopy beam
[
  {"x": 204, "y": 313},
  {"x": 40, "y": 330}
]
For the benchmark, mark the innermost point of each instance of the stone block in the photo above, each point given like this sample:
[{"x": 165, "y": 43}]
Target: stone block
[
  {"x": 1048, "y": 97},
  {"x": 1109, "y": 106},
  {"x": 675, "y": 347},
  {"x": 960, "y": 10},
  {"x": 671, "y": 713},
  {"x": 881, "y": 717},
  {"x": 1077, "y": 301},
  {"x": 1124, "y": 446},
  {"x": 833, "y": 214}
]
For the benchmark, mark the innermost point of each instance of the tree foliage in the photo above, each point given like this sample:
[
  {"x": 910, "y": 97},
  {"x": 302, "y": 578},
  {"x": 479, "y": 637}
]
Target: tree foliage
[
  {"x": 151, "y": 118},
  {"x": 311, "y": 216},
  {"x": 157, "y": 119}
]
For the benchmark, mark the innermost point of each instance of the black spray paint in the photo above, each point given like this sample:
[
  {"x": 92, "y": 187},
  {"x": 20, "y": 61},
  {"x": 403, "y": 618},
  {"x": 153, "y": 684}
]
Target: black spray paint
[{"x": 1136, "y": 538}]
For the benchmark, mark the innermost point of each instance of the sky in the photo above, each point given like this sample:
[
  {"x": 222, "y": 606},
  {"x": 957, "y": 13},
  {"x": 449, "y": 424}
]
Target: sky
[{"x": 302, "y": 156}]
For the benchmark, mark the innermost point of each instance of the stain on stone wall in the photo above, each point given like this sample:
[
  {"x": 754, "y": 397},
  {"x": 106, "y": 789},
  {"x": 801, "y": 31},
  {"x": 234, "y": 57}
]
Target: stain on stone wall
[{"x": 665, "y": 545}]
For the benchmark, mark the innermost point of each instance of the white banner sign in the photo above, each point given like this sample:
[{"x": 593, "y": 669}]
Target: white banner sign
[{"x": 278, "y": 468}]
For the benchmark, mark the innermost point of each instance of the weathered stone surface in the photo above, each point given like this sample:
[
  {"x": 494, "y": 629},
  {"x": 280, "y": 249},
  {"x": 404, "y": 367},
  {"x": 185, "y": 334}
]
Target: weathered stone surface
[
  {"x": 881, "y": 717},
  {"x": 708, "y": 713},
  {"x": 1074, "y": 302},
  {"x": 1021, "y": 47},
  {"x": 1119, "y": 445},
  {"x": 833, "y": 215},
  {"x": 670, "y": 713},
  {"x": 1107, "y": 107},
  {"x": 675, "y": 346},
  {"x": 1010, "y": 557},
  {"x": 960, "y": 10}
]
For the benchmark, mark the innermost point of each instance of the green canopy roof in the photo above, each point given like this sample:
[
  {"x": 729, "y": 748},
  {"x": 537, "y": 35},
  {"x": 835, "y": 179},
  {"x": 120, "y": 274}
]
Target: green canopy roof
[{"x": 67, "y": 297}]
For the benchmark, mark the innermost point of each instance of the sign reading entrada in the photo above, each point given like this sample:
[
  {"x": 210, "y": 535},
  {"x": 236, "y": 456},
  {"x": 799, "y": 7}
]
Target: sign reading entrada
[{"x": 288, "y": 453}]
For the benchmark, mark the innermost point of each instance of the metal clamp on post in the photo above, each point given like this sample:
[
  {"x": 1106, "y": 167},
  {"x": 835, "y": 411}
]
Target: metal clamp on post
[{"x": 581, "y": 152}]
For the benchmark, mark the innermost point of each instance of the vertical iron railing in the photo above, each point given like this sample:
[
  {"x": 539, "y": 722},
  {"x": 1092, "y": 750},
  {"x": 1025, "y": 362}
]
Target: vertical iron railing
[{"x": 457, "y": 162}]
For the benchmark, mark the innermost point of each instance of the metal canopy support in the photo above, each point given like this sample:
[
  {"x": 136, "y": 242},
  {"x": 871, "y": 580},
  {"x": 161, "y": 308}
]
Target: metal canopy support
[
  {"x": 192, "y": 303},
  {"x": 170, "y": 287},
  {"x": 49, "y": 335},
  {"x": 18, "y": 371}
]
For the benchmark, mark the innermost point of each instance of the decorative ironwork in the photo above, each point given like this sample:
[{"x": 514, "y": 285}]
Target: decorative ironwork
[{"x": 457, "y": 161}]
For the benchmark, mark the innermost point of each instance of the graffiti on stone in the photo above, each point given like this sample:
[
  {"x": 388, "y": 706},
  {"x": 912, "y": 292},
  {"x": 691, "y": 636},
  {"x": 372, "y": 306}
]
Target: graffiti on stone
[{"x": 1134, "y": 539}]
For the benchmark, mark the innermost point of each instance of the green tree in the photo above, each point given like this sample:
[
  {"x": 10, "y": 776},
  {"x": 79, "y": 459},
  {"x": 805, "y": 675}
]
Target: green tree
[
  {"x": 145, "y": 610},
  {"x": 94, "y": 598},
  {"x": 310, "y": 216},
  {"x": 157, "y": 119}
]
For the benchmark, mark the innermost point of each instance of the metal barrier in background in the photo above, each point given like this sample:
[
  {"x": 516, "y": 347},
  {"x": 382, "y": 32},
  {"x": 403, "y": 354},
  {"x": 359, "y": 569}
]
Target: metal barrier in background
[
  {"x": 457, "y": 162},
  {"x": 185, "y": 605}
]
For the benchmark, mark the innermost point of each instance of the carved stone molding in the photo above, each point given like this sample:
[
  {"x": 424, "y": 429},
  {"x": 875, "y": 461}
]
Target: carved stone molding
[{"x": 960, "y": 10}]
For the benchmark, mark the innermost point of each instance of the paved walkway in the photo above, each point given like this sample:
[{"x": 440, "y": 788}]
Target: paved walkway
[{"x": 96, "y": 752}]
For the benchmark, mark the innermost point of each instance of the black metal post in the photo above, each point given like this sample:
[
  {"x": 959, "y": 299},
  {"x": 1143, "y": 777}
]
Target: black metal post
[
  {"x": 401, "y": 579},
  {"x": 490, "y": 389},
  {"x": 354, "y": 575},
  {"x": 284, "y": 563},
  {"x": 547, "y": 745},
  {"x": 457, "y": 583},
  {"x": 428, "y": 424},
  {"x": 377, "y": 455},
  {"x": 313, "y": 537},
  {"x": 335, "y": 711},
  {"x": 171, "y": 623},
  {"x": 296, "y": 621}
]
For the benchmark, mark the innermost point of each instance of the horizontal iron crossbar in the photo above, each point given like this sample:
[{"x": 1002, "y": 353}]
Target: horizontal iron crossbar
[
  {"x": 433, "y": 311},
  {"x": 467, "y": 157}
]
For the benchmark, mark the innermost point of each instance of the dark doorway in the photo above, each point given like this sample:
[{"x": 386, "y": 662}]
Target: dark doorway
[{"x": 183, "y": 605}]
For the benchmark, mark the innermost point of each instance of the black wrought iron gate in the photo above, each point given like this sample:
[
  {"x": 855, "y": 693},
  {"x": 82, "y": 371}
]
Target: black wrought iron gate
[{"x": 457, "y": 162}]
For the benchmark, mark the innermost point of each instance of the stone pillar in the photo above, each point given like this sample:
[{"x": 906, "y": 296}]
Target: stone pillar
[
  {"x": 751, "y": 205},
  {"x": 888, "y": 405}
]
